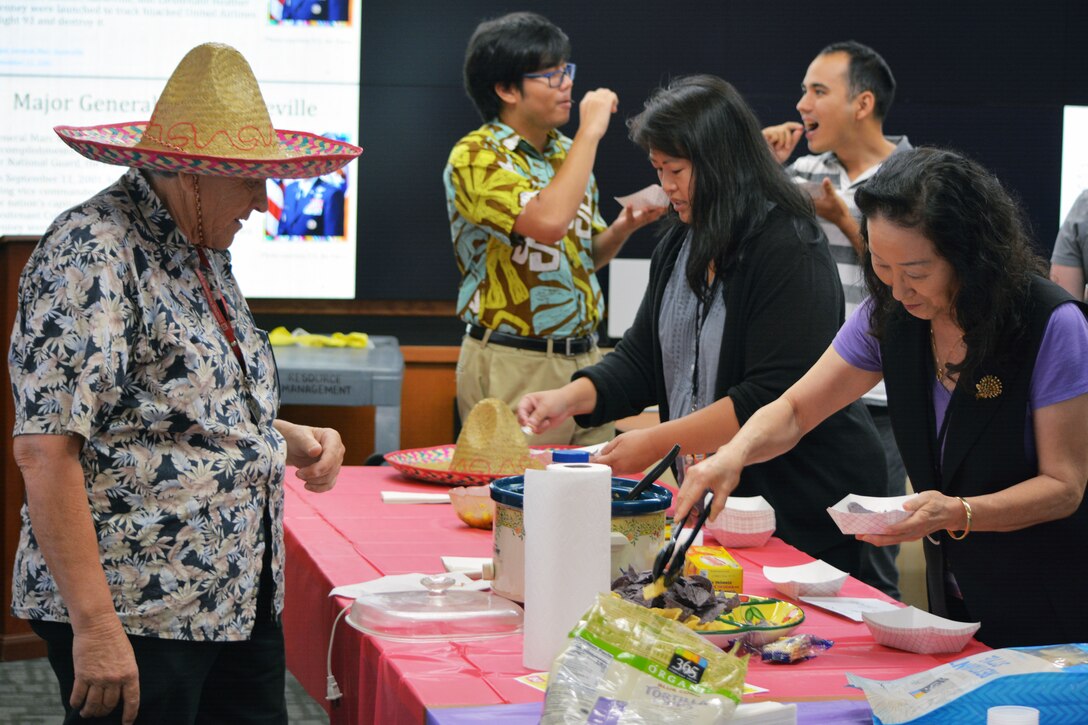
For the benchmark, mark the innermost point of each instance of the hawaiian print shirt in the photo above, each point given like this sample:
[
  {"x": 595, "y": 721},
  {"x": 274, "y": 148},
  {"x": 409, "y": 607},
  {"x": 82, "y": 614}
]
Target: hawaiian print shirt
[
  {"x": 114, "y": 341},
  {"x": 509, "y": 282}
]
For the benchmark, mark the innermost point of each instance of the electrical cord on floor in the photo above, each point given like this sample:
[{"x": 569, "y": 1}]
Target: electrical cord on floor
[{"x": 332, "y": 690}]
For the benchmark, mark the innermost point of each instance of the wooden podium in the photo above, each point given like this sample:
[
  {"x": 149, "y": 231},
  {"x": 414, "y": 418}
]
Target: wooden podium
[{"x": 16, "y": 640}]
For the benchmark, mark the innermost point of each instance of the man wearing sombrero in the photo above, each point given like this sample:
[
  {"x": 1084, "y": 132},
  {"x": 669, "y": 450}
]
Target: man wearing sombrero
[{"x": 151, "y": 551}]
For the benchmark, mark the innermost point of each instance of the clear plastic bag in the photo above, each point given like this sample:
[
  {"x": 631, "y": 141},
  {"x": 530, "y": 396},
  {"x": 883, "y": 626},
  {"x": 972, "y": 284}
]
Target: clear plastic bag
[
  {"x": 625, "y": 665},
  {"x": 1052, "y": 679}
]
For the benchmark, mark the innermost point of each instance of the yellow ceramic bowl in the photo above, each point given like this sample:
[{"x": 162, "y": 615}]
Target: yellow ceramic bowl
[{"x": 756, "y": 620}]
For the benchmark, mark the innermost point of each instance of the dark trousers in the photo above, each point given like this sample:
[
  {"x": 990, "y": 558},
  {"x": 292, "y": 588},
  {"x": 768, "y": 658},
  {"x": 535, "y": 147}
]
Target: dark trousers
[
  {"x": 878, "y": 565},
  {"x": 190, "y": 682},
  {"x": 194, "y": 683},
  {"x": 846, "y": 555}
]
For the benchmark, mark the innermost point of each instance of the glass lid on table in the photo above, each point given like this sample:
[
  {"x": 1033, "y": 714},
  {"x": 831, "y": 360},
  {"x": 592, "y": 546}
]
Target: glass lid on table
[{"x": 440, "y": 611}]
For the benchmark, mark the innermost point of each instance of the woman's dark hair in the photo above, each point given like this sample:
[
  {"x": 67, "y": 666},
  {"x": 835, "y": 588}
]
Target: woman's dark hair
[
  {"x": 704, "y": 119},
  {"x": 503, "y": 49},
  {"x": 976, "y": 226}
]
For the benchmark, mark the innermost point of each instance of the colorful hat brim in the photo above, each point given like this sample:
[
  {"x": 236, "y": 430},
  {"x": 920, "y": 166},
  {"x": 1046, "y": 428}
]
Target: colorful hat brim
[{"x": 306, "y": 155}]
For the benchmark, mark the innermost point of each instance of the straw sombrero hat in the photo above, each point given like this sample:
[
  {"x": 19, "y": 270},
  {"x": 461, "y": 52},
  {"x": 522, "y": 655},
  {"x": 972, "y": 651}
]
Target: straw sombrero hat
[
  {"x": 211, "y": 119},
  {"x": 491, "y": 442}
]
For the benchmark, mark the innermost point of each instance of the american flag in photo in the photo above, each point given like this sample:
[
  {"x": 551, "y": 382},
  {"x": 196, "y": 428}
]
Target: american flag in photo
[{"x": 274, "y": 189}]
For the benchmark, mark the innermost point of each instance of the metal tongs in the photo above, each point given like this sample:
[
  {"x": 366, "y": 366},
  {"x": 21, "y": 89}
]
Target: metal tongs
[
  {"x": 670, "y": 560},
  {"x": 653, "y": 474}
]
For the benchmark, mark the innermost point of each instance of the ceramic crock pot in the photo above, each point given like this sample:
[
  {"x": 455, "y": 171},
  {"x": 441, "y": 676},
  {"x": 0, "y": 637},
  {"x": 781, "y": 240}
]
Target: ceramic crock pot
[{"x": 638, "y": 531}]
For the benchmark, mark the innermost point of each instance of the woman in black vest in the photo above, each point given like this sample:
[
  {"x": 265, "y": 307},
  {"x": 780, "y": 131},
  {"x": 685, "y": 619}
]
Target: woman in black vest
[{"x": 986, "y": 368}]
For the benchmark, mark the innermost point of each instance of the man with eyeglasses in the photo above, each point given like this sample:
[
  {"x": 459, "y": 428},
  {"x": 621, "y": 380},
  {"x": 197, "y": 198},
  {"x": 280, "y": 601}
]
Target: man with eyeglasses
[{"x": 527, "y": 232}]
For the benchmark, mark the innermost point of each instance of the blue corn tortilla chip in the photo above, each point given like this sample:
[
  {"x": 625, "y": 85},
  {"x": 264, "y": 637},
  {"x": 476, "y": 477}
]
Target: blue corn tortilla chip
[{"x": 690, "y": 594}]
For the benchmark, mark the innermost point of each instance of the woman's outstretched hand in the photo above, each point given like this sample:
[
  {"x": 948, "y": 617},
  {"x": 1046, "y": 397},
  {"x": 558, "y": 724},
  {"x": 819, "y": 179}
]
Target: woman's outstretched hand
[{"x": 719, "y": 473}]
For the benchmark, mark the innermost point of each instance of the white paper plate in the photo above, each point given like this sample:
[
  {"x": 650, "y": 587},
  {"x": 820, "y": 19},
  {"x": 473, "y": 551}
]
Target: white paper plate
[
  {"x": 881, "y": 512},
  {"x": 849, "y": 607},
  {"x": 814, "y": 579},
  {"x": 746, "y": 521},
  {"x": 914, "y": 630}
]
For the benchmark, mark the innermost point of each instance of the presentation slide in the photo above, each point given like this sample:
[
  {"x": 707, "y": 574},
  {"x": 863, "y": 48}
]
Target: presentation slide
[
  {"x": 1074, "y": 157},
  {"x": 103, "y": 62}
]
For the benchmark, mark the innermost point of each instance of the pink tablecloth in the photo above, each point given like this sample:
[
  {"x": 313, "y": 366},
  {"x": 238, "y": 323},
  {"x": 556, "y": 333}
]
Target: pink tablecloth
[{"x": 348, "y": 535}]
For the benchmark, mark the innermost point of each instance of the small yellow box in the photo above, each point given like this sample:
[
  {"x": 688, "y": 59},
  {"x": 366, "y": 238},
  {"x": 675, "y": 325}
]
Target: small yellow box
[{"x": 717, "y": 565}]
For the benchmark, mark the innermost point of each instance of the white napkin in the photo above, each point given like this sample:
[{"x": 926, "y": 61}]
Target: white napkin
[
  {"x": 470, "y": 566},
  {"x": 404, "y": 583},
  {"x": 544, "y": 456},
  {"x": 849, "y": 607},
  {"x": 593, "y": 449},
  {"x": 414, "y": 497},
  {"x": 650, "y": 197},
  {"x": 765, "y": 713}
]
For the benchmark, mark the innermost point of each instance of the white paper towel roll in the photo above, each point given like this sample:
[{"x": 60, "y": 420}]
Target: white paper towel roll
[{"x": 568, "y": 524}]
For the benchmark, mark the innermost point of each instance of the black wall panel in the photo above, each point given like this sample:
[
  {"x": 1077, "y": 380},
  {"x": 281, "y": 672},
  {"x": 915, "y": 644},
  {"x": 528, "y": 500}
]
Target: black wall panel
[{"x": 971, "y": 76}]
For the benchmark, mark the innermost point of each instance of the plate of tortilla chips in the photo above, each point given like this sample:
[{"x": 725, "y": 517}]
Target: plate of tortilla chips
[
  {"x": 756, "y": 620},
  {"x": 721, "y": 617}
]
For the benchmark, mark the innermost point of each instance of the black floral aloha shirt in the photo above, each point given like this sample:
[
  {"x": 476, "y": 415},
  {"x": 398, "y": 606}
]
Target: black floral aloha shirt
[{"x": 114, "y": 341}]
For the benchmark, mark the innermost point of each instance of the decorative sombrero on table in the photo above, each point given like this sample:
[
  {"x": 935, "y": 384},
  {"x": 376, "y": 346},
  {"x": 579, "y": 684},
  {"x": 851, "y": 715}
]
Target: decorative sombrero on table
[
  {"x": 490, "y": 445},
  {"x": 211, "y": 119},
  {"x": 492, "y": 442}
]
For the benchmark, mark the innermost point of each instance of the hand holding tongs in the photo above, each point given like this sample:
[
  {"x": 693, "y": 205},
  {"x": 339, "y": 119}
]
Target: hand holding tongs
[{"x": 662, "y": 564}]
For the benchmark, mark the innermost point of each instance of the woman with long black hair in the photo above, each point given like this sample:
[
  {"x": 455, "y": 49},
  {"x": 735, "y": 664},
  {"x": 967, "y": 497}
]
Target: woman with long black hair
[{"x": 743, "y": 297}]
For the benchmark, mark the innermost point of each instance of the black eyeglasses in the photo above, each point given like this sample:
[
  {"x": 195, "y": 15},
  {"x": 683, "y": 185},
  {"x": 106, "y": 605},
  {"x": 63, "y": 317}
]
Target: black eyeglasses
[{"x": 555, "y": 77}]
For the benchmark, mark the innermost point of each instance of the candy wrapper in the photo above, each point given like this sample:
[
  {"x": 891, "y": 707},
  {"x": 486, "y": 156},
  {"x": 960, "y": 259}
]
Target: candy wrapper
[
  {"x": 625, "y": 665},
  {"x": 797, "y": 648}
]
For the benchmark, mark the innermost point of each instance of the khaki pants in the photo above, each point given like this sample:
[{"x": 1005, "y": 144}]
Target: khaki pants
[{"x": 507, "y": 373}]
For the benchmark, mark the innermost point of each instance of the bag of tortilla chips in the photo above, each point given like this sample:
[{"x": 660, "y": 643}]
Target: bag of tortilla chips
[
  {"x": 1052, "y": 679},
  {"x": 625, "y": 665}
]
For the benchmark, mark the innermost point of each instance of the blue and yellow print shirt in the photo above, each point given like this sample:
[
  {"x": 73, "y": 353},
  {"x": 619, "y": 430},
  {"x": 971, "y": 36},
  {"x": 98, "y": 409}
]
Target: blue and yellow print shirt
[{"x": 509, "y": 282}]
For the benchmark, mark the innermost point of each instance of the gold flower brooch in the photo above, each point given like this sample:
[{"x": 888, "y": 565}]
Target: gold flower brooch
[{"x": 988, "y": 387}]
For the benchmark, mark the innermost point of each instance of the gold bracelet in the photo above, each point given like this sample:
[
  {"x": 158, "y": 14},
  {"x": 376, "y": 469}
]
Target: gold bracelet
[{"x": 967, "y": 528}]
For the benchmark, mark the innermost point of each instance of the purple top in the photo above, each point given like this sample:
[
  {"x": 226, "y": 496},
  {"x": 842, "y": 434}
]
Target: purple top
[
  {"x": 840, "y": 712},
  {"x": 1053, "y": 380}
]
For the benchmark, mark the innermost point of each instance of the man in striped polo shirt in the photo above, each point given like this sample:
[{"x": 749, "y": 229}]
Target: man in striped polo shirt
[{"x": 845, "y": 98}]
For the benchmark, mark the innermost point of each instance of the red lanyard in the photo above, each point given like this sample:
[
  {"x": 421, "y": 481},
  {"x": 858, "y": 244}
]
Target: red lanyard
[{"x": 219, "y": 310}]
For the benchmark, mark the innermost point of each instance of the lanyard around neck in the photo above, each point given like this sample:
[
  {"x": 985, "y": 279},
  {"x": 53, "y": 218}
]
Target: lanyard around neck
[
  {"x": 219, "y": 309},
  {"x": 702, "y": 311}
]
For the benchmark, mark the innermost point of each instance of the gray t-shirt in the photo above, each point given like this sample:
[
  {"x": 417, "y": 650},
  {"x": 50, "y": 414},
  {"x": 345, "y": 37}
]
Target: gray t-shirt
[{"x": 1071, "y": 246}]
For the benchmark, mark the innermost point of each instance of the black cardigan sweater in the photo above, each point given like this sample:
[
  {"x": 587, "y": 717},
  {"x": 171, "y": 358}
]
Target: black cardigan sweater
[
  {"x": 1027, "y": 587},
  {"x": 783, "y": 306}
]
